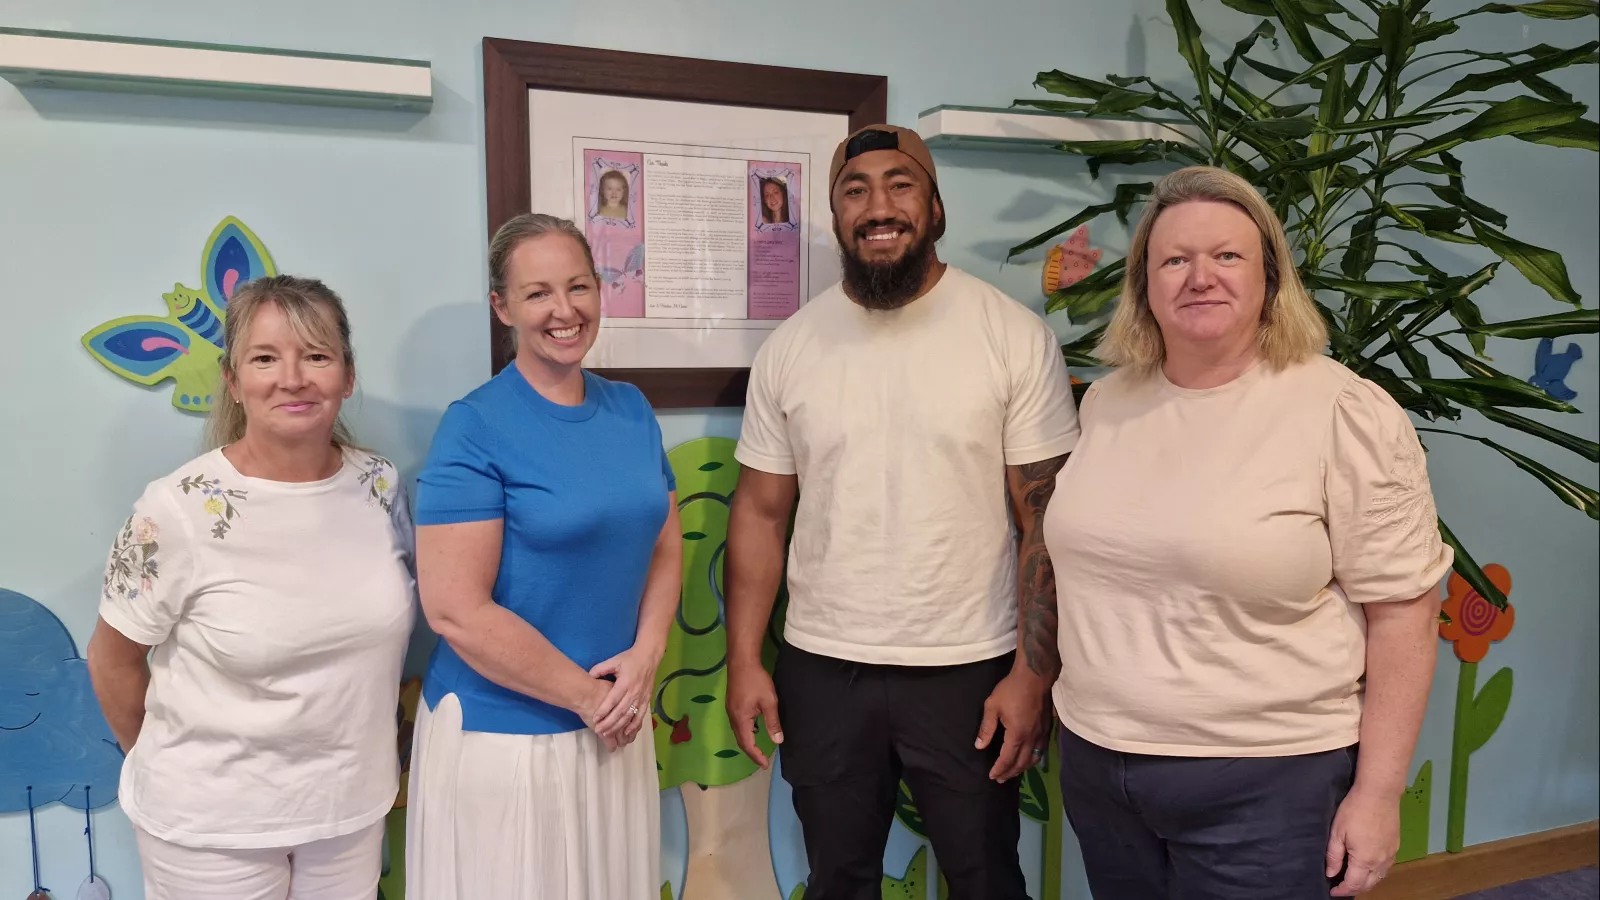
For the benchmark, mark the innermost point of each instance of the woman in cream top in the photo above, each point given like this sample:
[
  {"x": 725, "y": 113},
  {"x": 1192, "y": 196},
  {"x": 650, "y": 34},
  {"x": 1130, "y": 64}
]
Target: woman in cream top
[{"x": 1247, "y": 559}]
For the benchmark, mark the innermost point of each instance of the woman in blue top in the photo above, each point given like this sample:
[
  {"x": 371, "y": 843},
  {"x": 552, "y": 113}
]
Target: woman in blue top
[{"x": 549, "y": 559}]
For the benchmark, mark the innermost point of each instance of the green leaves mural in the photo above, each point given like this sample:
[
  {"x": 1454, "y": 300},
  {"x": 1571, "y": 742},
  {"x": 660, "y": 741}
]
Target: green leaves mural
[{"x": 1353, "y": 152}]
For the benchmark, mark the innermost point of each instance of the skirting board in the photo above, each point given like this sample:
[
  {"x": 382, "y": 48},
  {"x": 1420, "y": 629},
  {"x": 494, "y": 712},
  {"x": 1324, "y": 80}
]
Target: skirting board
[{"x": 1441, "y": 876}]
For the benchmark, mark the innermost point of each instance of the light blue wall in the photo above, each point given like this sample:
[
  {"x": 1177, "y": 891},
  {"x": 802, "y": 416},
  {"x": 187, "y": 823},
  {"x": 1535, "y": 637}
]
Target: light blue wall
[{"x": 106, "y": 200}]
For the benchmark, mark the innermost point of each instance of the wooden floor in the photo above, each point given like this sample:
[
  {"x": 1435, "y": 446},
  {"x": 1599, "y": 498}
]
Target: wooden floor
[{"x": 1582, "y": 884}]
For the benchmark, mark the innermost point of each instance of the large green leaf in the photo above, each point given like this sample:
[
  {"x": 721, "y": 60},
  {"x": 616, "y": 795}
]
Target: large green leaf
[
  {"x": 1108, "y": 99},
  {"x": 1458, "y": 198},
  {"x": 1546, "y": 9},
  {"x": 1279, "y": 128},
  {"x": 1055, "y": 106},
  {"x": 1586, "y": 448},
  {"x": 1396, "y": 123},
  {"x": 1108, "y": 276},
  {"x": 1474, "y": 367},
  {"x": 1362, "y": 250},
  {"x": 1369, "y": 290},
  {"x": 1410, "y": 356},
  {"x": 1544, "y": 268},
  {"x": 1481, "y": 392},
  {"x": 1583, "y": 134},
  {"x": 1332, "y": 157},
  {"x": 1483, "y": 81},
  {"x": 1080, "y": 351},
  {"x": 1312, "y": 12},
  {"x": 1580, "y": 497},
  {"x": 1577, "y": 321},
  {"x": 1282, "y": 75},
  {"x": 1488, "y": 711},
  {"x": 1294, "y": 17},
  {"x": 1547, "y": 89},
  {"x": 1470, "y": 571},
  {"x": 1193, "y": 49},
  {"x": 1122, "y": 200},
  {"x": 1134, "y": 152},
  {"x": 1263, "y": 31},
  {"x": 1394, "y": 41},
  {"x": 1087, "y": 298},
  {"x": 1519, "y": 115}
]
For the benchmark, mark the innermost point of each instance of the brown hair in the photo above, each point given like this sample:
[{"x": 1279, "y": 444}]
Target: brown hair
[
  {"x": 508, "y": 237},
  {"x": 1291, "y": 328},
  {"x": 317, "y": 317}
]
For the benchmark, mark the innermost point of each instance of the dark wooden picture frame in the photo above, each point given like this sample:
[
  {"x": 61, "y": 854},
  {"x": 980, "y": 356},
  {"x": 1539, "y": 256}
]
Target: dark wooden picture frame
[{"x": 512, "y": 68}]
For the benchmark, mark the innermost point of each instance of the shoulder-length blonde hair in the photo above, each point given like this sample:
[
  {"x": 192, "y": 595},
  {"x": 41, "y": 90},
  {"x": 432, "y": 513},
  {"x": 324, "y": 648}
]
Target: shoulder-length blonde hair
[
  {"x": 1291, "y": 328},
  {"x": 317, "y": 317}
]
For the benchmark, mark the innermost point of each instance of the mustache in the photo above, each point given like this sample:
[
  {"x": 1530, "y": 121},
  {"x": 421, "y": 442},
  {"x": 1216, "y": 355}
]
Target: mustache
[{"x": 860, "y": 232}]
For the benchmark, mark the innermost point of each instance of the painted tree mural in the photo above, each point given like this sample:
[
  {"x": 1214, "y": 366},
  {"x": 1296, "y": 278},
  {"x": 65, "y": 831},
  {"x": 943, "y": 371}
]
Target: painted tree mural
[{"x": 729, "y": 853}]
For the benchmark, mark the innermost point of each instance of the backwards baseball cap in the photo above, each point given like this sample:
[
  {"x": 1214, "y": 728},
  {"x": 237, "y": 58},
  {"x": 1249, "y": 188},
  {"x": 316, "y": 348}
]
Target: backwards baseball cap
[{"x": 882, "y": 137}]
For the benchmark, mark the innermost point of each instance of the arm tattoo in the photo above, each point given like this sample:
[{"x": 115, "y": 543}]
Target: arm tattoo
[{"x": 1032, "y": 485}]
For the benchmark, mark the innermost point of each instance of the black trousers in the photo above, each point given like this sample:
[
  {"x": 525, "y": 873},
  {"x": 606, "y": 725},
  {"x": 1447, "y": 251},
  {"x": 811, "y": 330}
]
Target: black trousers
[
  {"x": 1183, "y": 828},
  {"x": 852, "y": 731}
]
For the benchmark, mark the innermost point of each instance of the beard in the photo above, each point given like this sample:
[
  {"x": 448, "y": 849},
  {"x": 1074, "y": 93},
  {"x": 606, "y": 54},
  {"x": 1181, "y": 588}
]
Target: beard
[{"x": 886, "y": 285}]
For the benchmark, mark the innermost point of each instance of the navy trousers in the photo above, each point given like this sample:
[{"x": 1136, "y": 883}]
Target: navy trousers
[{"x": 1184, "y": 828}]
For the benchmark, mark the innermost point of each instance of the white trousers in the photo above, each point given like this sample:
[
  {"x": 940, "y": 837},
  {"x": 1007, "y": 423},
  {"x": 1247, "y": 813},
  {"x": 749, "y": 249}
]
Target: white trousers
[
  {"x": 338, "y": 868},
  {"x": 529, "y": 817}
]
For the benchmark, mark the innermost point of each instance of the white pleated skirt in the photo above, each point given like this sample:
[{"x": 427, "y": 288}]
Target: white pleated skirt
[{"x": 529, "y": 817}]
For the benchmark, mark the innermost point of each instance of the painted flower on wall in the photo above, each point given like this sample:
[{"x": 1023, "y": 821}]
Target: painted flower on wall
[{"x": 1475, "y": 623}]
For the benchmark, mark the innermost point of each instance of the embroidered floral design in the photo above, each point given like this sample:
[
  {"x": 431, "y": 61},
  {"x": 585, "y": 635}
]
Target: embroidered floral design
[
  {"x": 1408, "y": 506},
  {"x": 378, "y": 477},
  {"x": 132, "y": 569},
  {"x": 1475, "y": 623},
  {"x": 219, "y": 501}
]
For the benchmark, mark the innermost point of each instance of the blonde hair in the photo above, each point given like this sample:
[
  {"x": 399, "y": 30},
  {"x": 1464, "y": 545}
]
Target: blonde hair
[
  {"x": 317, "y": 317},
  {"x": 1292, "y": 330},
  {"x": 525, "y": 227}
]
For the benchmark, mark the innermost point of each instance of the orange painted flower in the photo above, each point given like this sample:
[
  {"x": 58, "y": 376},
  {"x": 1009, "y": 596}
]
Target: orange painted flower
[{"x": 1475, "y": 623}]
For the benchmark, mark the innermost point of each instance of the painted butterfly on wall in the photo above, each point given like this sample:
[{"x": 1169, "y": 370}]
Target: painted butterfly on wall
[
  {"x": 186, "y": 344},
  {"x": 1069, "y": 262}
]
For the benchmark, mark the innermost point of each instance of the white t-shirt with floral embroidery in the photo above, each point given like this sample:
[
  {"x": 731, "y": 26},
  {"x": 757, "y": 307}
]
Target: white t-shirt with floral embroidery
[{"x": 279, "y": 615}]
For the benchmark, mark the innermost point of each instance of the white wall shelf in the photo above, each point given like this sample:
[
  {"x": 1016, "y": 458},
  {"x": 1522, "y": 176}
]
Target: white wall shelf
[
  {"x": 1025, "y": 129},
  {"x": 56, "y": 59}
]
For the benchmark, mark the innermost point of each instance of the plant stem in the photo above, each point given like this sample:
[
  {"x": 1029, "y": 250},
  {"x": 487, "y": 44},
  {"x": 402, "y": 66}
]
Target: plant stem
[{"x": 1456, "y": 820}]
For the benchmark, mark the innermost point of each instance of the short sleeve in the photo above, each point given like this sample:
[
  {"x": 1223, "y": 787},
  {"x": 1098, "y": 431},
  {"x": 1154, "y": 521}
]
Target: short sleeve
[
  {"x": 1382, "y": 525},
  {"x": 764, "y": 435},
  {"x": 405, "y": 531},
  {"x": 1041, "y": 419},
  {"x": 149, "y": 571},
  {"x": 461, "y": 481}
]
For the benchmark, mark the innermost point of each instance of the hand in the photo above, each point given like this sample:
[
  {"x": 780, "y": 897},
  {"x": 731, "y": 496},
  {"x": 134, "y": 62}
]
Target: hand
[
  {"x": 1366, "y": 830},
  {"x": 751, "y": 694},
  {"x": 627, "y": 703},
  {"x": 586, "y": 709},
  {"x": 1017, "y": 704}
]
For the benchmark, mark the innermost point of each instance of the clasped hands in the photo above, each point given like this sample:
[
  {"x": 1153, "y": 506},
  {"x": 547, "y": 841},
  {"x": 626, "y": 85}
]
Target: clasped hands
[{"x": 617, "y": 703}]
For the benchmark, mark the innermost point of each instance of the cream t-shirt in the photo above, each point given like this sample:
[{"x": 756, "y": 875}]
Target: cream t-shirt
[
  {"x": 1212, "y": 549},
  {"x": 279, "y": 616},
  {"x": 899, "y": 425}
]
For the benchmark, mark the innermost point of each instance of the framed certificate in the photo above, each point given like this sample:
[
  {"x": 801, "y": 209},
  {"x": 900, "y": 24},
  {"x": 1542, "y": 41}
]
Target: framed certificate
[{"x": 701, "y": 185}]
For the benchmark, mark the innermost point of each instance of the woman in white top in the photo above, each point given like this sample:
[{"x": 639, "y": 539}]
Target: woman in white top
[
  {"x": 1247, "y": 561},
  {"x": 270, "y": 584}
]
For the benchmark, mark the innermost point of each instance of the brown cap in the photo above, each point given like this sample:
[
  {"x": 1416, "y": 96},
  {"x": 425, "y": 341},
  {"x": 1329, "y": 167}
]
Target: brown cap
[{"x": 882, "y": 137}]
